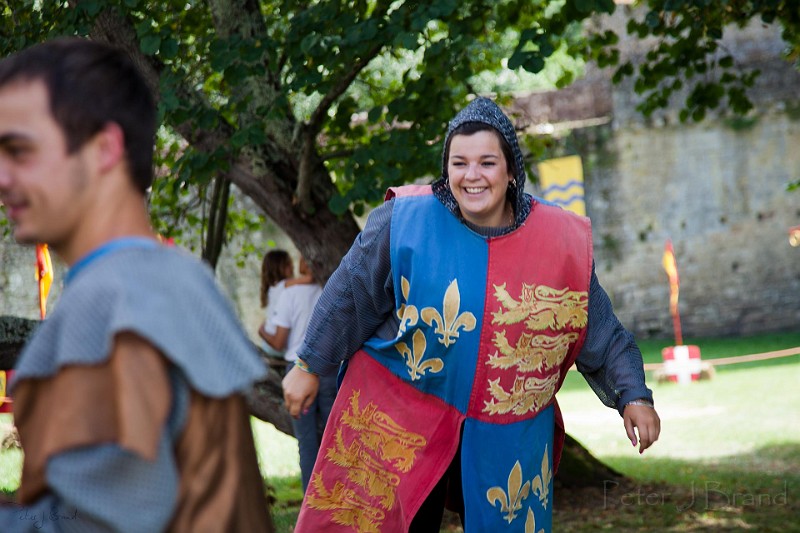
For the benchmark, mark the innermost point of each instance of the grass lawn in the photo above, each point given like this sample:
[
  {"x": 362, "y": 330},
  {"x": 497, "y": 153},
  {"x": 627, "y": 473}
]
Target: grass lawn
[{"x": 728, "y": 458}]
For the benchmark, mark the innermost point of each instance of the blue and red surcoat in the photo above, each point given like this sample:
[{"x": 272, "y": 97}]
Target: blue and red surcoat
[{"x": 488, "y": 330}]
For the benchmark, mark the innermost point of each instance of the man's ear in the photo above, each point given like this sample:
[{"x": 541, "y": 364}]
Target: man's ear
[{"x": 110, "y": 146}]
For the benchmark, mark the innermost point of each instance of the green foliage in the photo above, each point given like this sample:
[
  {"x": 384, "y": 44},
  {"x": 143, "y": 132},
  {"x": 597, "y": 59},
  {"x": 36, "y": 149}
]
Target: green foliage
[
  {"x": 394, "y": 73},
  {"x": 372, "y": 84},
  {"x": 687, "y": 52}
]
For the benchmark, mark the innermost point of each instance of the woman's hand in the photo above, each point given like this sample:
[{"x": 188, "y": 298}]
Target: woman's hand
[
  {"x": 645, "y": 419},
  {"x": 299, "y": 390}
]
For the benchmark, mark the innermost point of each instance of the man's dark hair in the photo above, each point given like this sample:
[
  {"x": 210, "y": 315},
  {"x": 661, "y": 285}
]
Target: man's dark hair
[{"x": 91, "y": 84}]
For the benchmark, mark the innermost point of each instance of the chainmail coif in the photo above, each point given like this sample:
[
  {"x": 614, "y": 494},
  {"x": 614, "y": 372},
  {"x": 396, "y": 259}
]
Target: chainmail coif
[{"x": 487, "y": 112}]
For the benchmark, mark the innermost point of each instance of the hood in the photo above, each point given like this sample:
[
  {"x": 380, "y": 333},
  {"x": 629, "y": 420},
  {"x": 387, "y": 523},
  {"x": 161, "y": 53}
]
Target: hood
[{"x": 487, "y": 112}]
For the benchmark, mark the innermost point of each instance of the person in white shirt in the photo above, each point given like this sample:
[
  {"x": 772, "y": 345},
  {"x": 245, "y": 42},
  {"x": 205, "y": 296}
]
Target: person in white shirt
[
  {"x": 276, "y": 268},
  {"x": 277, "y": 273},
  {"x": 290, "y": 319}
]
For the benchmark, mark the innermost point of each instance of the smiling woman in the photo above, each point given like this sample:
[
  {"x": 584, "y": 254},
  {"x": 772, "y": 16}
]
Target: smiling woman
[
  {"x": 480, "y": 176},
  {"x": 463, "y": 304}
]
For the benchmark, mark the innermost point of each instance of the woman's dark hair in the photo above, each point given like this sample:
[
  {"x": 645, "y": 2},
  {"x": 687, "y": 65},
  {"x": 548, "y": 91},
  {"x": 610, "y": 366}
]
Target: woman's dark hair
[
  {"x": 469, "y": 128},
  {"x": 91, "y": 84},
  {"x": 273, "y": 270}
]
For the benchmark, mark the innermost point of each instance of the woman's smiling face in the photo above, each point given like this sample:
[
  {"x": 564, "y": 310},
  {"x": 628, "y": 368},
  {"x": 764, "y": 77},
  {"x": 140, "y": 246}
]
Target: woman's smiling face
[{"x": 479, "y": 177}]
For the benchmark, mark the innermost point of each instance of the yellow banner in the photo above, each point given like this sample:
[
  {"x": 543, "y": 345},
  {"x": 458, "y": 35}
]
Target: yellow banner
[{"x": 561, "y": 181}]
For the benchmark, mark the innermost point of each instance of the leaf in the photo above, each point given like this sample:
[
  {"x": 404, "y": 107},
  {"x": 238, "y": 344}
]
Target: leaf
[
  {"x": 585, "y": 6},
  {"x": 375, "y": 114},
  {"x": 533, "y": 63},
  {"x": 169, "y": 48},
  {"x": 408, "y": 40},
  {"x": 699, "y": 114},
  {"x": 606, "y": 6},
  {"x": 150, "y": 44},
  {"x": 239, "y": 139},
  {"x": 338, "y": 204},
  {"x": 653, "y": 19}
]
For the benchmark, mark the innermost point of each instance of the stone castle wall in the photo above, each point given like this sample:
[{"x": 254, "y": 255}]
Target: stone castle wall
[
  {"x": 719, "y": 194},
  {"x": 716, "y": 189}
]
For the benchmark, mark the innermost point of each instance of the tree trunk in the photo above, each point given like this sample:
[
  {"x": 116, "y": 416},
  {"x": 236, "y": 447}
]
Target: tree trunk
[
  {"x": 579, "y": 468},
  {"x": 267, "y": 173},
  {"x": 321, "y": 237}
]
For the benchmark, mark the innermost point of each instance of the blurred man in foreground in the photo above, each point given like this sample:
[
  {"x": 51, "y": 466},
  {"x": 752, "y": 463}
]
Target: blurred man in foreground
[{"x": 129, "y": 397}]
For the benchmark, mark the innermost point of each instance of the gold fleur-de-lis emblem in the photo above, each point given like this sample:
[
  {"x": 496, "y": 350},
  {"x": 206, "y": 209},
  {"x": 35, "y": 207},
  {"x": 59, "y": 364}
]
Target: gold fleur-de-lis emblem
[
  {"x": 541, "y": 483},
  {"x": 413, "y": 357},
  {"x": 511, "y": 501},
  {"x": 451, "y": 320},
  {"x": 530, "y": 523},
  {"x": 408, "y": 314}
]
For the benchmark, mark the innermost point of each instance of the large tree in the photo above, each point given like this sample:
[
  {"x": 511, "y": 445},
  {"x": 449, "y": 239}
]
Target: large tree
[{"x": 312, "y": 109}]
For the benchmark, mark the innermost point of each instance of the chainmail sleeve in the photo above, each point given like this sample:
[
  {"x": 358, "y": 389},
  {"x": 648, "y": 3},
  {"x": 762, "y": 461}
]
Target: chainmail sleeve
[
  {"x": 358, "y": 300},
  {"x": 610, "y": 360}
]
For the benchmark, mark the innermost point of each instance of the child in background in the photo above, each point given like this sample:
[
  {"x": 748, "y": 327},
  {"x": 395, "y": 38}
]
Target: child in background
[
  {"x": 277, "y": 271},
  {"x": 276, "y": 268}
]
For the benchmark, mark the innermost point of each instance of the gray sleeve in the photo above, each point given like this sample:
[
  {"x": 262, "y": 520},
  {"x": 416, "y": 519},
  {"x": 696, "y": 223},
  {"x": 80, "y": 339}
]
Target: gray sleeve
[
  {"x": 358, "y": 299},
  {"x": 610, "y": 359},
  {"x": 101, "y": 489},
  {"x": 105, "y": 488}
]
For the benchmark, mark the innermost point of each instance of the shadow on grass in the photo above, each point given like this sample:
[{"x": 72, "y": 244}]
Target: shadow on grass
[{"x": 758, "y": 491}]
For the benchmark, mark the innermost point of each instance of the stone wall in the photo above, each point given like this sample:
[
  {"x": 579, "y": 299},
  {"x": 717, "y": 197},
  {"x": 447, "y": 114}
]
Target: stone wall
[
  {"x": 719, "y": 194},
  {"x": 19, "y": 292},
  {"x": 716, "y": 189}
]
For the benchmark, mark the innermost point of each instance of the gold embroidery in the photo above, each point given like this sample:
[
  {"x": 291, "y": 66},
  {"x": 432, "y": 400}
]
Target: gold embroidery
[
  {"x": 532, "y": 352},
  {"x": 364, "y": 470},
  {"x": 408, "y": 314},
  {"x": 383, "y": 435},
  {"x": 511, "y": 501},
  {"x": 542, "y": 307},
  {"x": 416, "y": 366},
  {"x": 349, "y": 509},
  {"x": 379, "y": 448},
  {"x": 450, "y": 320},
  {"x": 526, "y": 395},
  {"x": 541, "y": 483},
  {"x": 530, "y": 523},
  {"x": 539, "y": 308}
]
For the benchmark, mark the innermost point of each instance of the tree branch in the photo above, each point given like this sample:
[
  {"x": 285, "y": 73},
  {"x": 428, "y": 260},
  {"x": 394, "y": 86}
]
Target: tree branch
[
  {"x": 308, "y": 133},
  {"x": 110, "y": 27},
  {"x": 217, "y": 219},
  {"x": 337, "y": 154}
]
